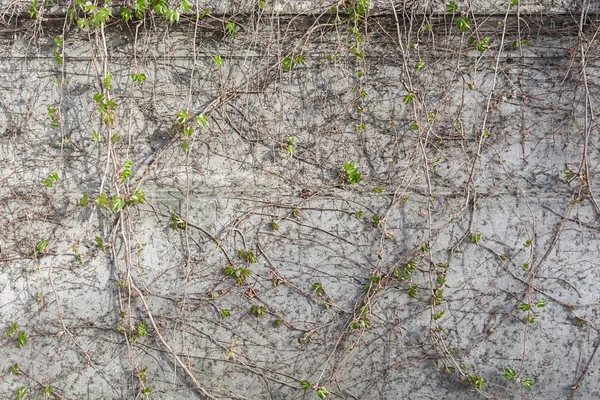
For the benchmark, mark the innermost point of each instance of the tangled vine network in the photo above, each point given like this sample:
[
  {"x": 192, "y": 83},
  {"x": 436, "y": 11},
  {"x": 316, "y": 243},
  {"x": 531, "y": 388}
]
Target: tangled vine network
[{"x": 277, "y": 199}]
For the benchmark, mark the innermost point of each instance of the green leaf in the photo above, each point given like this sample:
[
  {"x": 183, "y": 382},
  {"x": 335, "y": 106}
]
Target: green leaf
[
  {"x": 408, "y": 98},
  {"x": 102, "y": 201},
  {"x": 463, "y": 23},
  {"x": 41, "y": 246},
  {"x": 305, "y": 384},
  {"x": 231, "y": 28},
  {"x": 126, "y": 14},
  {"x": 183, "y": 116},
  {"x": 524, "y": 307},
  {"x": 22, "y": 339},
  {"x": 202, "y": 120},
  {"x": 318, "y": 288},
  {"x": 412, "y": 291},
  {"x": 11, "y": 330},
  {"x": 528, "y": 382},
  {"x": 452, "y": 7},
  {"x": 509, "y": 373},
  {"x": 47, "y": 391},
  {"x": 116, "y": 138},
  {"x": 161, "y": 7},
  {"x": 322, "y": 392},
  {"x": 140, "y": 8},
  {"x": 84, "y": 200},
  {"x": 138, "y": 197},
  {"x": 14, "y": 369},
  {"x": 172, "y": 15},
  {"x": 287, "y": 63},
  {"x": 291, "y": 146},
  {"x": 100, "y": 243},
  {"x": 218, "y": 60},
  {"x": 140, "y": 78},
  {"x": 117, "y": 204},
  {"x": 542, "y": 303},
  {"x": 96, "y": 136},
  {"x": 83, "y": 24},
  {"x": 352, "y": 172},
  {"x": 186, "y": 6},
  {"x": 142, "y": 329},
  {"x": 21, "y": 392},
  {"x": 51, "y": 179},
  {"x": 376, "y": 220},
  {"x": 225, "y": 313},
  {"x": 258, "y": 311},
  {"x": 101, "y": 17}
]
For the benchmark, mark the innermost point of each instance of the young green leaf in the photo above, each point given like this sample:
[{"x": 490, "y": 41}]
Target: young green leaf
[
  {"x": 117, "y": 204},
  {"x": 218, "y": 60},
  {"x": 41, "y": 246},
  {"x": 463, "y": 23},
  {"x": 322, "y": 392},
  {"x": 100, "y": 243},
  {"x": 84, "y": 200},
  {"x": 21, "y": 392},
  {"x": 22, "y": 339},
  {"x": 11, "y": 330},
  {"x": 202, "y": 120},
  {"x": 509, "y": 373},
  {"x": 231, "y": 28}
]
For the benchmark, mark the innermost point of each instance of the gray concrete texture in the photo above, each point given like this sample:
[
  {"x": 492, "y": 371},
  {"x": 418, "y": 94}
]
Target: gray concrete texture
[{"x": 476, "y": 204}]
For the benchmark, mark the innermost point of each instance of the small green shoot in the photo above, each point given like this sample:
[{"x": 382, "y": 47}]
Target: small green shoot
[
  {"x": 12, "y": 329},
  {"x": 21, "y": 392},
  {"x": 463, "y": 24},
  {"x": 509, "y": 373},
  {"x": 240, "y": 274},
  {"x": 218, "y": 60},
  {"x": 22, "y": 339},
  {"x": 258, "y": 311},
  {"x": 40, "y": 247},
  {"x": 247, "y": 255},
  {"x": 231, "y": 28},
  {"x": 452, "y": 7},
  {"x": 322, "y": 392},
  {"x": 14, "y": 369},
  {"x": 317, "y": 287},
  {"x": 51, "y": 180},
  {"x": 352, "y": 173}
]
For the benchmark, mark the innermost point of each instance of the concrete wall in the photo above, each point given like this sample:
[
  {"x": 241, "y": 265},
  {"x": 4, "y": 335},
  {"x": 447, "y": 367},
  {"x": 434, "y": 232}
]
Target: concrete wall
[{"x": 477, "y": 200}]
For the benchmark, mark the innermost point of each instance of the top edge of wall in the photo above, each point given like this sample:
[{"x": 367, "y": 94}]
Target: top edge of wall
[{"x": 315, "y": 7}]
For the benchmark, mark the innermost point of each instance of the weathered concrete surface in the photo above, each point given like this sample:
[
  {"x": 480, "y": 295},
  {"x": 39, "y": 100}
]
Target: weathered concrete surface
[
  {"x": 469, "y": 209},
  {"x": 233, "y": 7}
]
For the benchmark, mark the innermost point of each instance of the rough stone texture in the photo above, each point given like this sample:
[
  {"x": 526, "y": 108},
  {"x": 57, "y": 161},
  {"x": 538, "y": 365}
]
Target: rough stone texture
[{"x": 470, "y": 208}]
